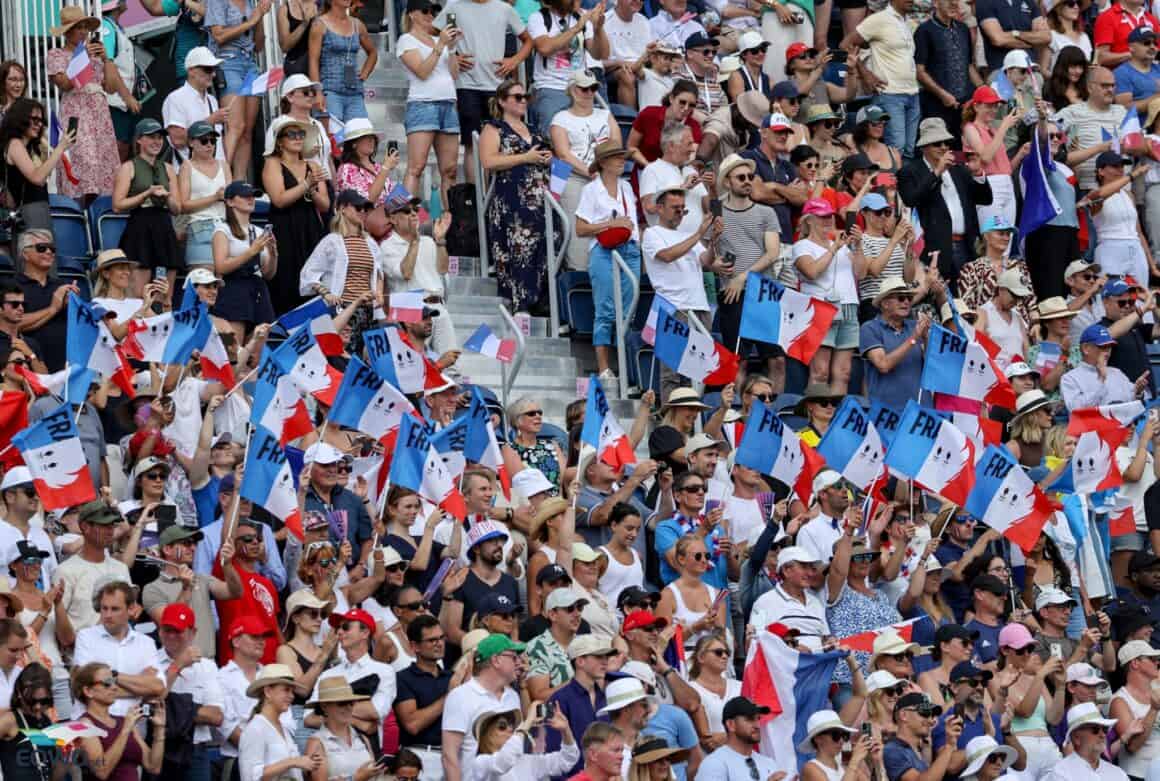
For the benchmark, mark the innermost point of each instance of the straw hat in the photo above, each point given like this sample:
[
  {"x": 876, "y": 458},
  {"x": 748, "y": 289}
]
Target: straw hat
[
  {"x": 271, "y": 674},
  {"x": 111, "y": 257},
  {"x": 357, "y": 128},
  {"x": 281, "y": 123},
  {"x": 604, "y": 150},
  {"x": 70, "y": 17},
  {"x": 684, "y": 397},
  {"x": 891, "y": 286},
  {"x": 651, "y": 749},
  {"x": 548, "y": 510},
  {"x": 1054, "y": 308},
  {"x": 484, "y": 720},
  {"x": 1029, "y": 402},
  {"x": 336, "y": 688}
]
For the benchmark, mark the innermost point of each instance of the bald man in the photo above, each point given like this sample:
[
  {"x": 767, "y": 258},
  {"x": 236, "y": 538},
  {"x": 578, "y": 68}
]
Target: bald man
[{"x": 1085, "y": 121}]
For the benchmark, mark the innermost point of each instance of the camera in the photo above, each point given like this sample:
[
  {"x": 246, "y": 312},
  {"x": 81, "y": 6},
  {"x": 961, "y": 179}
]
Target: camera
[{"x": 11, "y": 224}]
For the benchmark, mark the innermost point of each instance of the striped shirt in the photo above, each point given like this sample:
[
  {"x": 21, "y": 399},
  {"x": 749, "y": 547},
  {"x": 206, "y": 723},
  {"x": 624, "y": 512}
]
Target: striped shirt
[
  {"x": 872, "y": 247},
  {"x": 360, "y": 266},
  {"x": 744, "y": 233}
]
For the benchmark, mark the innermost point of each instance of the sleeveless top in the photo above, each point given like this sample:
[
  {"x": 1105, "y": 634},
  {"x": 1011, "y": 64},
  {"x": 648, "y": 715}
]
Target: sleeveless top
[
  {"x": 689, "y": 617},
  {"x": 1037, "y": 719},
  {"x": 23, "y": 191},
  {"x": 338, "y": 52},
  {"x": 894, "y": 162},
  {"x": 1000, "y": 163},
  {"x": 762, "y": 84},
  {"x": 342, "y": 758},
  {"x": 1007, "y": 335},
  {"x": 619, "y": 576},
  {"x": 146, "y": 176},
  {"x": 299, "y": 50},
  {"x": 304, "y": 664},
  {"x": 202, "y": 186},
  {"x": 831, "y": 775},
  {"x": 128, "y": 769},
  {"x": 20, "y": 759},
  {"x": 403, "y": 658},
  {"x": 1136, "y": 763}
]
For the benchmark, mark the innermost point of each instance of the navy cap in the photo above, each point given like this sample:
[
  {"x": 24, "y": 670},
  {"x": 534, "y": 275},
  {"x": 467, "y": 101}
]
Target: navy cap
[
  {"x": 1096, "y": 334},
  {"x": 918, "y": 701},
  {"x": 1115, "y": 287},
  {"x": 497, "y": 604},
  {"x": 948, "y": 632},
  {"x": 241, "y": 189},
  {"x": 1110, "y": 158},
  {"x": 786, "y": 89},
  {"x": 699, "y": 39},
  {"x": 352, "y": 198},
  {"x": 551, "y": 574},
  {"x": 1141, "y": 34},
  {"x": 967, "y": 670}
]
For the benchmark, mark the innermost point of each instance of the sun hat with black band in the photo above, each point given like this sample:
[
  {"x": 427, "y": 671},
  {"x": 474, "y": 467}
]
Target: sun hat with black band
[
  {"x": 651, "y": 749},
  {"x": 753, "y": 106},
  {"x": 484, "y": 721},
  {"x": 1086, "y": 714},
  {"x": 604, "y": 150},
  {"x": 335, "y": 688},
  {"x": 70, "y": 17},
  {"x": 684, "y": 397},
  {"x": 1029, "y": 402},
  {"x": 270, "y": 675},
  {"x": 111, "y": 257},
  {"x": 980, "y": 748},
  {"x": 816, "y": 391},
  {"x": 819, "y": 722}
]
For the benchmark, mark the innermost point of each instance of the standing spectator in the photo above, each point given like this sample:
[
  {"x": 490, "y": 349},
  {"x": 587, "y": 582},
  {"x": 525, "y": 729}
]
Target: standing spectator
[
  {"x": 464, "y": 591},
  {"x": 1122, "y": 249},
  {"x": 495, "y": 668},
  {"x": 644, "y": 139},
  {"x": 187, "y": 672},
  {"x": 674, "y": 169},
  {"x": 1114, "y": 27},
  {"x": 335, "y": 38},
  {"x": 414, "y": 261},
  {"x": 1057, "y": 241},
  {"x": 266, "y": 746},
  {"x": 518, "y": 161},
  {"x": 1000, "y": 319},
  {"x": 247, "y": 639},
  {"x": 890, "y": 346},
  {"x": 119, "y": 49},
  {"x": 422, "y": 697},
  {"x": 29, "y": 161},
  {"x": 433, "y": 62},
  {"x": 688, "y": 600},
  {"x": 201, "y": 185},
  {"x": 146, "y": 188},
  {"x": 236, "y": 35},
  {"x": 879, "y": 257},
  {"x": 294, "y": 19},
  {"x": 1067, "y": 29},
  {"x": 945, "y": 196},
  {"x": 259, "y": 594},
  {"x": 777, "y": 181},
  {"x": 607, "y": 213},
  {"x": 359, "y": 171},
  {"x": 1007, "y": 27},
  {"x": 121, "y": 749},
  {"x": 1137, "y": 76},
  {"x": 1130, "y": 355},
  {"x": 944, "y": 64},
  {"x": 244, "y": 259},
  {"x": 892, "y": 72},
  {"x": 1036, "y": 705},
  {"x": 93, "y": 161},
  {"x": 1136, "y": 701},
  {"x": 13, "y": 85},
  {"x": 737, "y": 759},
  {"x": 192, "y": 102},
  {"x": 45, "y": 296},
  {"x": 297, "y": 202},
  {"x": 1086, "y": 124},
  {"x": 565, "y": 41},
  {"x": 92, "y": 563},
  {"x": 982, "y": 137},
  {"x": 299, "y": 95},
  {"x": 792, "y": 601}
]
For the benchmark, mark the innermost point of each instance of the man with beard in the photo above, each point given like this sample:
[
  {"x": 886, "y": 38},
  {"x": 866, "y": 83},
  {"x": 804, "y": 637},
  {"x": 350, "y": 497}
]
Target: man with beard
[
  {"x": 901, "y": 757},
  {"x": 738, "y": 760},
  {"x": 1087, "y": 732},
  {"x": 259, "y": 594},
  {"x": 967, "y": 686},
  {"x": 465, "y": 590}
]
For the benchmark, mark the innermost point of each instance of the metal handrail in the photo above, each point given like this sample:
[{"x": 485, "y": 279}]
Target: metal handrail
[
  {"x": 554, "y": 257},
  {"x": 508, "y": 376},
  {"x": 623, "y": 322},
  {"x": 695, "y": 322},
  {"x": 482, "y": 198}
]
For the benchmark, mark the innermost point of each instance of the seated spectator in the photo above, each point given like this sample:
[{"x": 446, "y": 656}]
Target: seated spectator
[
  {"x": 1136, "y": 77},
  {"x": 1130, "y": 353},
  {"x": 1087, "y": 737},
  {"x": 700, "y": 68},
  {"x": 95, "y": 687},
  {"x": 629, "y": 46},
  {"x": 658, "y": 74},
  {"x": 825, "y": 736},
  {"x": 900, "y": 756},
  {"x": 645, "y": 139},
  {"x": 737, "y": 756},
  {"x": 342, "y": 750},
  {"x": 1094, "y": 382},
  {"x": 733, "y": 128},
  {"x": 981, "y": 752},
  {"x": 673, "y": 24},
  {"x": 1002, "y": 322}
]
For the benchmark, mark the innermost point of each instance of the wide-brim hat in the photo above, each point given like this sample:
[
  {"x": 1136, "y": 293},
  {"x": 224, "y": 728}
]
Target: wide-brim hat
[
  {"x": 548, "y": 510},
  {"x": 1153, "y": 111},
  {"x": 931, "y": 131},
  {"x": 605, "y": 150},
  {"x": 684, "y": 397},
  {"x": 652, "y": 749},
  {"x": 270, "y": 675},
  {"x": 753, "y": 106},
  {"x": 357, "y": 128},
  {"x": 1029, "y": 402},
  {"x": 281, "y": 123},
  {"x": 1054, "y": 308},
  {"x": 985, "y": 746},
  {"x": 335, "y": 689},
  {"x": 484, "y": 720},
  {"x": 111, "y": 257},
  {"x": 816, "y": 391},
  {"x": 734, "y": 161},
  {"x": 892, "y": 286},
  {"x": 70, "y": 17},
  {"x": 819, "y": 722}
]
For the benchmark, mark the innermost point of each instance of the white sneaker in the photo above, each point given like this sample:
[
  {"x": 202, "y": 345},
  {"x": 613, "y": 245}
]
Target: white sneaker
[{"x": 606, "y": 376}]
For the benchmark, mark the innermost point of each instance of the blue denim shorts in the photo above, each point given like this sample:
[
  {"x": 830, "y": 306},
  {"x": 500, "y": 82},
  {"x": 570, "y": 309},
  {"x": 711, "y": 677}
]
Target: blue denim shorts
[
  {"x": 435, "y": 116},
  {"x": 237, "y": 70}
]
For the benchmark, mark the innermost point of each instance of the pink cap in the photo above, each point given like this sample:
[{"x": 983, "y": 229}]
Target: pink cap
[
  {"x": 1015, "y": 636},
  {"x": 818, "y": 207}
]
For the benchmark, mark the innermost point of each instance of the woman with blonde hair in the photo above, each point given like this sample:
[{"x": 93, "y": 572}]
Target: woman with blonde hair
[
  {"x": 502, "y": 739},
  {"x": 551, "y": 534},
  {"x": 1029, "y": 427},
  {"x": 113, "y": 290},
  {"x": 883, "y": 690},
  {"x": 266, "y": 752},
  {"x": 709, "y": 663},
  {"x": 688, "y": 600},
  {"x": 653, "y": 760},
  {"x": 525, "y": 448},
  {"x": 345, "y": 753}
]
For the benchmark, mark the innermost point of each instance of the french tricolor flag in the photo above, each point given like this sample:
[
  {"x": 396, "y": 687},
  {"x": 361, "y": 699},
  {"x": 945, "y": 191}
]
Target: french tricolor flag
[
  {"x": 864, "y": 641},
  {"x": 277, "y": 405},
  {"x": 659, "y": 304},
  {"x": 1007, "y": 500},
  {"x": 774, "y": 314},
  {"x": 482, "y": 446},
  {"x": 485, "y": 342},
  {"x": 792, "y": 685},
  {"x": 981, "y": 431},
  {"x": 602, "y": 430},
  {"x": 417, "y": 466},
  {"x": 80, "y": 70},
  {"x": 302, "y": 360},
  {"x": 1131, "y": 134},
  {"x": 934, "y": 453},
  {"x": 1109, "y": 417},
  {"x": 52, "y": 449},
  {"x": 395, "y": 360},
  {"x": 961, "y": 367},
  {"x": 147, "y": 338},
  {"x": 558, "y": 177},
  {"x": 44, "y": 384},
  {"x": 1093, "y": 464},
  {"x": 368, "y": 403},
  {"x": 215, "y": 361},
  {"x": 776, "y": 450},
  {"x": 303, "y": 313},
  {"x": 406, "y": 307},
  {"x": 693, "y": 354},
  {"x": 852, "y": 446},
  {"x": 268, "y": 480},
  {"x": 262, "y": 83}
]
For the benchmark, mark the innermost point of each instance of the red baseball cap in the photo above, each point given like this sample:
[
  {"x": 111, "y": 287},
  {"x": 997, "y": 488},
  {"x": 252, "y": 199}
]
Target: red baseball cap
[
  {"x": 797, "y": 49},
  {"x": 246, "y": 625},
  {"x": 985, "y": 94},
  {"x": 639, "y": 619},
  {"x": 355, "y": 614},
  {"x": 178, "y": 616}
]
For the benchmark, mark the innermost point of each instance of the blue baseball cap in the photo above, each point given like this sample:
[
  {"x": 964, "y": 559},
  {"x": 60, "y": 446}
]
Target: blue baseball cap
[
  {"x": 996, "y": 223},
  {"x": 874, "y": 202},
  {"x": 1115, "y": 287},
  {"x": 1096, "y": 334}
]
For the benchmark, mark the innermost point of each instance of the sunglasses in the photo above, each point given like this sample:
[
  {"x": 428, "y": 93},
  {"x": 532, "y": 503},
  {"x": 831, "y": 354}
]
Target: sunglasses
[
  {"x": 809, "y": 165},
  {"x": 907, "y": 655},
  {"x": 534, "y": 413},
  {"x": 44, "y": 702},
  {"x": 398, "y": 567},
  {"x": 897, "y": 691},
  {"x": 887, "y": 212},
  {"x": 45, "y": 248},
  {"x": 1089, "y": 277},
  {"x": 694, "y": 489},
  {"x": 325, "y": 563},
  {"x": 720, "y": 652},
  {"x": 974, "y": 683},
  {"x": 420, "y": 605},
  {"x": 590, "y": 90},
  {"x": 744, "y": 177},
  {"x": 247, "y": 539},
  {"x": 521, "y": 97},
  {"x": 573, "y": 608},
  {"x": 17, "y": 362},
  {"x": 699, "y": 556},
  {"x": 766, "y": 398},
  {"x": 406, "y": 210},
  {"x": 863, "y": 558},
  {"x": 345, "y": 468},
  {"x": 294, "y": 135},
  {"x": 706, "y": 52},
  {"x": 156, "y": 475},
  {"x": 832, "y": 124},
  {"x": 207, "y": 140},
  {"x": 14, "y": 304},
  {"x": 1098, "y": 728},
  {"x": 824, "y": 402},
  {"x": 110, "y": 682},
  {"x": 503, "y": 724},
  {"x": 836, "y": 734},
  {"x": 312, "y": 612}
]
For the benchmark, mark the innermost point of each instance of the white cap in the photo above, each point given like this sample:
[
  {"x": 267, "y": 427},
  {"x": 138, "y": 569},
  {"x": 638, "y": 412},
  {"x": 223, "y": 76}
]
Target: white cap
[
  {"x": 297, "y": 81},
  {"x": 1050, "y": 595},
  {"x": 201, "y": 57},
  {"x": 890, "y": 643},
  {"x": 564, "y": 597},
  {"x": 821, "y": 721},
  {"x": 1016, "y": 58},
  {"x": 322, "y": 453},
  {"x": 17, "y": 475},
  {"x": 881, "y": 679},
  {"x": 202, "y": 276},
  {"x": 1134, "y": 649},
  {"x": 1082, "y": 672},
  {"x": 1086, "y": 714},
  {"x": 531, "y": 481},
  {"x": 932, "y": 564},
  {"x": 796, "y": 553},
  {"x": 641, "y": 671},
  {"x": 1019, "y": 369},
  {"x": 824, "y": 479}
]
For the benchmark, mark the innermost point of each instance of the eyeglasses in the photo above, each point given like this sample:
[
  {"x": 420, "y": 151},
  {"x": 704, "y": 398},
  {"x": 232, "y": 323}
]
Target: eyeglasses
[
  {"x": 420, "y": 605},
  {"x": 863, "y": 558},
  {"x": 156, "y": 475},
  {"x": 246, "y": 539},
  {"x": 14, "y": 304},
  {"x": 809, "y": 165},
  {"x": 207, "y": 140},
  {"x": 294, "y": 135},
  {"x": 699, "y": 488},
  {"x": 751, "y": 765},
  {"x": 42, "y": 248},
  {"x": 520, "y": 97},
  {"x": 706, "y": 52}
]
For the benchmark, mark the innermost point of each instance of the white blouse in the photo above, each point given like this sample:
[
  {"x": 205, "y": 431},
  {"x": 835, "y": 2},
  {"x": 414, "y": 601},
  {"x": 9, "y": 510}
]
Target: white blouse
[{"x": 261, "y": 745}]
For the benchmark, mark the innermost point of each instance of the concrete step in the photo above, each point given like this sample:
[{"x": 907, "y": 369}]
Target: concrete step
[
  {"x": 467, "y": 321},
  {"x": 462, "y": 287}
]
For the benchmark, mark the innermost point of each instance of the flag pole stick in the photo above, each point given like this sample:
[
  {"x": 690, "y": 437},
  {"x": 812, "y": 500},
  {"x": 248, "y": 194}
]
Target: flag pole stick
[
  {"x": 233, "y": 517},
  {"x": 239, "y": 383},
  {"x": 652, "y": 367}
]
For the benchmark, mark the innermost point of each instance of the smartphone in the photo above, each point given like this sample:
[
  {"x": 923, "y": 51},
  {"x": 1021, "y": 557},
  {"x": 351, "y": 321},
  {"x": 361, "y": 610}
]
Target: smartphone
[
  {"x": 867, "y": 730},
  {"x": 268, "y": 230},
  {"x": 960, "y": 158},
  {"x": 72, "y": 125},
  {"x": 165, "y": 513},
  {"x": 146, "y": 710},
  {"x": 392, "y": 147},
  {"x": 1057, "y": 650},
  {"x": 715, "y": 207},
  {"x": 1093, "y": 621},
  {"x": 721, "y": 594},
  {"x": 451, "y": 20},
  {"x": 730, "y": 259},
  {"x": 549, "y": 710},
  {"x": 159, "y": 272},
  {"x": 839, "y": 55},
  {"x": 384, "y": 761}
]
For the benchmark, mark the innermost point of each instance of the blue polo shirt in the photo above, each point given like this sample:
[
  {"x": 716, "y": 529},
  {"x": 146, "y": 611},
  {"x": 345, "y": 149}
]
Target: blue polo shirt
[
  {"x": 1141, "y": 85},
  {"x": 675, "y": 726},
  {"x": 576, "y": 704},
  {"x": 987, "y": 646},
  {"x": 957, "y": 595},
  {"x": 671, "y": 530},
  {"x": 1011, "y": 15},
  {"x": 898, "y": 757},
  {"x": 778, "y": 171},
  {"x": 358, "y": 522},
  {"x": 425, "y": 689},
  {"x": 902, "y": 384}
]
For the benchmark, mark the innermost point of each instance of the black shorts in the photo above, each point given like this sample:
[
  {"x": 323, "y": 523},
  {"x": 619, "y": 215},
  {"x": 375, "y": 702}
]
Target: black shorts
[
  {"x": 850, "y": 3},
  {"x": 472, "y": 106}
]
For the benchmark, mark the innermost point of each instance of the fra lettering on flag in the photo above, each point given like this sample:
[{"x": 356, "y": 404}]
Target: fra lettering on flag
[
  {"x": 886, "y": 420},
  {"x": 1007, "y": 500},
  {"x": 190, "y": 331},
  {"x": 52, "y": 449},
  {"x": 302, "y": 360},
  {"x": 852, "y": 445},
  {"x": 268, "y": 480},
  {"x": 368, "y": 403},
  {"x": 961, "y": 367},
  {"x": 450, "y": 442},
  {"x": 602, "y": 430},
  {"x": 395, "y": 360},
  {"x": 934, "y": 453},
  {"x": 417, "y": 466},
  {"x": 773, "y": 449},
  {"x": 775, "y": 314},
  {"x": 693, "y": 354}
]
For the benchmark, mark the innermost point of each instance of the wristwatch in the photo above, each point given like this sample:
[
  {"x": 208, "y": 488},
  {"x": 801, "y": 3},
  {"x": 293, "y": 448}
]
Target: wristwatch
[{"x": 1015, "y": 34}]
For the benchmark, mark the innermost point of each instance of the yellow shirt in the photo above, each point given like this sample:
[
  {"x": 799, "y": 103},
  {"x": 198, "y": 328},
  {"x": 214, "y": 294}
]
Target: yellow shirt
[{"x": 891, "y": 43}]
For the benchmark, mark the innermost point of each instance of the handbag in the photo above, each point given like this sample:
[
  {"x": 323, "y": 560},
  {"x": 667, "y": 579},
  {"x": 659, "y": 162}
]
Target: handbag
[{"x": 611, "y": 238}]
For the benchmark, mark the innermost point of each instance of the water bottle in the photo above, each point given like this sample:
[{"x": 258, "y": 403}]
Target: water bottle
[{"x": 435, "y": 204}]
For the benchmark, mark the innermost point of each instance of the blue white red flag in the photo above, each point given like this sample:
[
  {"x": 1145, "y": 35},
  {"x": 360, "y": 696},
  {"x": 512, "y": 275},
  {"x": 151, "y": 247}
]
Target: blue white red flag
[
  {"x": 450, "y": 442},
  {"x": 147, "y": 337},
  {"x": 54, "y": 134},
  {"x": 1048, "y": 357},
  {"x": 1109, "y": 417},
  {"x": 659, "y": 304},
  {"x": 269, "y": 481},
  {"x": 1131, "y": 133},
  {"x": 961, "y": 367},
  {"x": 406, "y": 307},
  {"x": 774, "y": 449},
  {"x": 368, "y": 403},
  {"x": 190, "y": 332},
  {"x": 852, "y": 446},
  {"x": 558, "y": 177},
  {"x": 1040, "y": 205},
  {"x": 1093, "y": 464},
  {"x": 417, "y": 466},
  {"x": 864, "y": 641},
  {"x": 91, "y": 345},
  {"x": 934, "y": 453},
  {"x": 1007, "y": 500},
  {"x": 885, "y": 420},
  {"x": 981, "y": 431},
  {"x": 777, "y": 315},
  {"x": 303, "y": 313},
  {"x": 485, "y": 342},
  {"x": 52, "y": 450},
  {"x": 262, "y": 83},
  {"x": 693, "y": 354},
  {"x": 80, "y": 69},
  {"x": 278, "y": 406},
  {"x": 602, "y": 430},
  {"x": 482, "y": 446},
  {"x": 395, "y": 360},
  {"x": 302, "y": 360}
]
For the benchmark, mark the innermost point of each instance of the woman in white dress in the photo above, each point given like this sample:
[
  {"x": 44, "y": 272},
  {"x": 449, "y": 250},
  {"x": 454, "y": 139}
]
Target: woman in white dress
[
  {"x": 825, "y": 736},
  {"x": 624, "y": 565},
  {"x": 709, "y": 660},
  {"x": 345, "y": 753},
  {"x": 266, "y": 751}
]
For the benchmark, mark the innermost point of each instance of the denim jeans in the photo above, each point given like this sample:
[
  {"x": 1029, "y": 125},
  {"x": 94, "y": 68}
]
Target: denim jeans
[
  {"x": 345, "y": 107},
  {"x": 546, "y": 103},
  {"x": 902, "y": 129},
  {"x": 600, "y": 274}
]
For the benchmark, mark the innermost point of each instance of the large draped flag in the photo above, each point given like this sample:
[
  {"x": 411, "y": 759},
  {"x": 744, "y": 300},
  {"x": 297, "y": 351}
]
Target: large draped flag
[
  {"x": 1007, "y": 500},
  {"x": 934, "y": 453},
  {"x": 366, "y": 402},
  {"x": 691, "y": 353},
  {"x": 775, "y": 314},
  {"x": 864, "y": 641},
  {"x": 1040, "y": 205},
  {"x": 770, "y": 447},
  {"x": 278, "y": 406},
  {"x": 852, "y": 445},
  {"x": 268, "y": 480},
  {"x": 961, "y": 367},
  {"x": 603, "y": 431},
  {"x": 482, "y": 446},
  {"x": 793, "y": 685},
  {"x": 417, "y": 466},
  {"x": 52, "y": 449}
]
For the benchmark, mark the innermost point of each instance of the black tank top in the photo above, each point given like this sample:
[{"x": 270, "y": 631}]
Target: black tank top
[{"x": 20, "y": 760}]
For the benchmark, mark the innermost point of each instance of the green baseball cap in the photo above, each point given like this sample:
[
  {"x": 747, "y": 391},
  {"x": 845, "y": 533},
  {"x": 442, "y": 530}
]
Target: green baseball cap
[
  {"x": 177, "y": 533},
  {"x": 98, "y": 512},
  {"x": 494, "y": 645},
  {"x": 147, "y": 127}
]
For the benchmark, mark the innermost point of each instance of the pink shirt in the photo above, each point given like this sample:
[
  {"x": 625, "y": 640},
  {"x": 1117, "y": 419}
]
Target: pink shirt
[
  {"x": 1000, "y": 163},
  {"x": 355, "y": 177}
]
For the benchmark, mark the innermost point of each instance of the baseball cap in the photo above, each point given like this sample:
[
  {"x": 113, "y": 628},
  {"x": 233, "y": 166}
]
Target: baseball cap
[
  {"x": 201, "y": 57},
  {"x": 1019, "y": 369},
  {"x": 989, "y": 583},
  {"x": 1134, "y": 649},
  {"x": 1017, "y": 58},
  {"x": 742, "y": 707},
  {"x": 1141, "y": 34},
  {"x": 636, "y": 596},
  {"x": 98, "y": 512},
  {"x": 23, "y": 549},
  {"x": 641, "y": 619},
  {"x": 1011, "y": 280},
  {"x": 582, "y": 78},
  {"x": 1050, "y": 595},
  {"x": 948, "y": 632},
  {"x": 585, "y": 553},
  {"x": 350, "y": 197},
  {"x": 355, "y": 614},
  {"x": 871, "y": 114},
  {"x": 874, "y": 202},
  {"x": 786, "y": 89},
  {"x": 858, "y": 161},
  {"x": 564, "y": 597},
  {"x": 1143, "y": 559},
  {"x": 590, "y": 645},
  {"x": 553, "y": 573},
  {"x": 17, "y": 475},
  {"x": 881, "y": 679},
  {"x": 777, "y": 121},
  {"x": 1096, "y": 334},
  {"x": 817, "y": 207},
  {"x": 494, "y": 645},
  {"x": 178, "y": 616},
  {"x": 1082, "y": 672},
  {"x": 1109, "y": 158},
  {"x": 200, "y": 129},
  {"x": 799, "y": 49},
  {"x": 322, "y": 453},
  {"x": 147, "y": 127},
  {"x": 967, "y": 670},
  {"x": 919, "y": 701},
  {"x": 241, "y": 189},
  {"x": 498, "y": 604},
  {"x": 996, "y": 222},
  {"x": 1115, "y": 287},
  {"x": 203, "y": 276},
  {"x": 248, "y": 625},
  {"x": 1017, "y": 636},
  {"x": 985, "y": 94},
  {"x": 1078, "y": 266},
  {"x": 699, "y": 39},
  {"x": 795, "y": 553},
  {"x": 825, "y": 479}
]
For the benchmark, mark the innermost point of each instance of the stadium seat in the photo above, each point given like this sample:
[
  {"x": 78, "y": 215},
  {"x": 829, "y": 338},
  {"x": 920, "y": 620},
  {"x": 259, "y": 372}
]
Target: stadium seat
[
  {"x": 105, "y": 224},
  {"x": 556, "y": 434},
  {"x": 58, "y": 202},
  {"x": 786, "y": 401},
  {"x": 576, "y": 306},
  {"x": 71, "y": 232}
]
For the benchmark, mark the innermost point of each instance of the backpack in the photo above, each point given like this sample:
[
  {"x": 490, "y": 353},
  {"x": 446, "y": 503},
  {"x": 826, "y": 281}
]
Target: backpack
[{"x": 463, "y": 235}]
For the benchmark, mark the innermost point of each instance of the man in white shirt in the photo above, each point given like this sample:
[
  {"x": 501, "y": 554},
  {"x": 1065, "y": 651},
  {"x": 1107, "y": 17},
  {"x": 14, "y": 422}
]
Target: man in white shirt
[
  {"x": 497, "y": 666},
  {"x": 130, "y": 655},
  {"x": 21, "y": 505},
  {"x": 819, "y": 535},
  {"x": 629, "y": 36},
  {"x": 193, "y": 102},
  {"x": 791, "y": 601},
  {"x": 13, "y": 647},
  {"x": 1087, "y": 732},
  {"x": 672, "y": 169},
  {"x": 81, "y": 571},
  {"x": 415, "y": 262},
  {"x": 186, "y": 672},
  {"x": 667, "y": 26},
  {"x": 247, "y": 639}
]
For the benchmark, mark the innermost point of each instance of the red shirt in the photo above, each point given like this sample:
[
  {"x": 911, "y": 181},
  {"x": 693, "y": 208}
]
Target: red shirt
[
  {"x": 1114, "y": 25},
  {"x": 259, "y": 598},
  {"x": 649, "y": 123}
]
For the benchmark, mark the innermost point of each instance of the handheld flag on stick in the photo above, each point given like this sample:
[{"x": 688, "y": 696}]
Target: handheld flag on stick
[
  {"x": 771, "y": 448},
  {"x": 268, "y": 481},
  {"x": 558, "y": 178},
  {"x": 368, "y": 403},
  {"x": 485, "y": 342},
  {"x": 961, "y": 367},
  {"x": 692, "y": 353},
  {"x": 775, "y": 314},
  {"x": 933, "y": 453},
  {"x": 417, "y": 466},
  {"x": 602, "y": 430},
  {"x": 1007, "y": 500},
  {"x": 852, "y": 446},
  {"x": 52, "y": 449}
]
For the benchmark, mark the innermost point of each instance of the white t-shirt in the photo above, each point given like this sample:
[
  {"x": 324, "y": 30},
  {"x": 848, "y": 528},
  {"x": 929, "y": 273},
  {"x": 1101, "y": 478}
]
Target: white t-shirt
[
  {"x": 596, "y": 205},
  {"x": 1117, "y": 219},
  {"x": 837, "y": 283},
  {"x": 438, "y": 85},
  {"x": 1134, "y": 492},
  {"x": 745, "y": 518},
  {"x": 660, "y": 174},
  {"x": 425, "y": 275},
  {"x": 183, "y": 107},
  {"x": 626, "y": 40},
  {"x": 652, "y": 87},
  {"x": 680, "y": 282},
  {"x": 553, "y": 71},
  {"x": 584, "y": 133},
  {"x": 1059, "y": 42}
]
